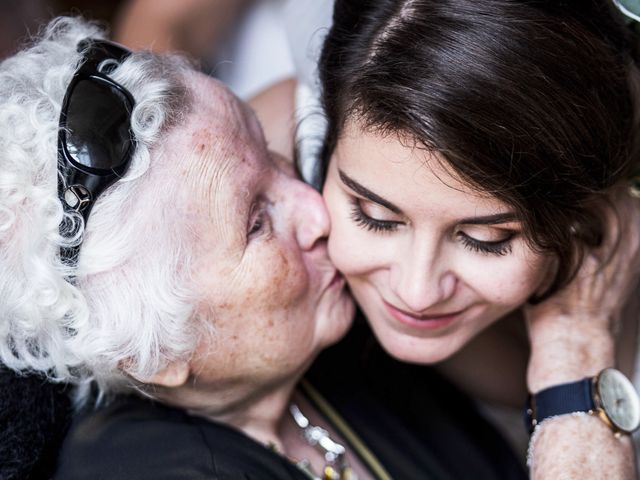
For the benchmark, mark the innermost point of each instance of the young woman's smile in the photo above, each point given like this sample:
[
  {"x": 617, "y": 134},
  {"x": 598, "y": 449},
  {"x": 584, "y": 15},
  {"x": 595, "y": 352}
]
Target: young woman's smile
[
  {"x": 432, "y": 322},
  {"x": 430, "y": 261}
]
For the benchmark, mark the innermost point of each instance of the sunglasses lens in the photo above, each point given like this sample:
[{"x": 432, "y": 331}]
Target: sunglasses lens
[
  {"x": 98, "y": 125},
  {"x": 631, "y": 8}
]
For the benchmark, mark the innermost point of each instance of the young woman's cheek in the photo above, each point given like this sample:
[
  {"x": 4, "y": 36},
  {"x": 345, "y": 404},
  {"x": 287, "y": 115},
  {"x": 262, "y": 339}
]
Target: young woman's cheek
[
  {"x": 340, "y": 242},
  {"x": 347, "y": 250},
  {"x": 508, "y": 280},
  {"x": 354, "y": 250}
]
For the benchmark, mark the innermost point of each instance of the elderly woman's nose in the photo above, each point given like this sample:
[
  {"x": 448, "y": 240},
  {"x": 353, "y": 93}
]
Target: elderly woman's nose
[{"x": 310, "y": 215}]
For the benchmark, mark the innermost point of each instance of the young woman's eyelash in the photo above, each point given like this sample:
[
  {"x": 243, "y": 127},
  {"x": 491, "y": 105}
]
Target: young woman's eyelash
[
  {"x": 501, "y": 248},
  {"x": 372, "y": 224}
]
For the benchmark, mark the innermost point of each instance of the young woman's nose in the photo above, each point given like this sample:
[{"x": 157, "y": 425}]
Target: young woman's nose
[
  {"x": 310, "y": 215},
  {"x": 421, "y": 279}
]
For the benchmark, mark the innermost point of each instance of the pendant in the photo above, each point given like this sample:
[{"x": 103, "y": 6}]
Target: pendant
[
  {"x": 331, "y": 473},
  {"x": 336, "y": 467}
]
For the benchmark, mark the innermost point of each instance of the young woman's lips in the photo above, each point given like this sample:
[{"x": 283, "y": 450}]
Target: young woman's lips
[{"x": 427, "y": 322}]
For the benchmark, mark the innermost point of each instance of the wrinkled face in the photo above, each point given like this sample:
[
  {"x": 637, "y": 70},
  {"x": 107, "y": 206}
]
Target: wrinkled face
[
  {"x": 431, "y": 262},
  {"x": 267, "y": 287}
]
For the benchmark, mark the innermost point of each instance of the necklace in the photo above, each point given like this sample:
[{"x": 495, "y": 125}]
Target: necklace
[{"x": 336, "y": 467}]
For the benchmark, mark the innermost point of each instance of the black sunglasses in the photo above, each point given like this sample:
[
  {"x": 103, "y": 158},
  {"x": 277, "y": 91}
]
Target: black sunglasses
[
  {"x": 95, "y": 142},
  {"x": 629, "y": 8}
]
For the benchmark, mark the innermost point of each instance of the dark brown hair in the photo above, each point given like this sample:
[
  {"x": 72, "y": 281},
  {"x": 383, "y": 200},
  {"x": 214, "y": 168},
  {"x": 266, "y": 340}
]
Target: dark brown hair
[{"x": 529, "y": 101}]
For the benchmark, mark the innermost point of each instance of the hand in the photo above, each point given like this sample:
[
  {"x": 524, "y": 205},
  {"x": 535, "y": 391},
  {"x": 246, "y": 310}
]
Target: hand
[{"x": 573, "y": 332}]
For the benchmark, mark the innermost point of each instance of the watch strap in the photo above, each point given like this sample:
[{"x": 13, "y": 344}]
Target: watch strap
[{"x": 559, "y": 400}]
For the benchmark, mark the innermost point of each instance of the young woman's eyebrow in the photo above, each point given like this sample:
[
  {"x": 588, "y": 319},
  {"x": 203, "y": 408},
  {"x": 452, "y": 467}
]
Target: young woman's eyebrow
[
  {"x": 490, "y": 219},
  {"x": 365, "y": 192}
]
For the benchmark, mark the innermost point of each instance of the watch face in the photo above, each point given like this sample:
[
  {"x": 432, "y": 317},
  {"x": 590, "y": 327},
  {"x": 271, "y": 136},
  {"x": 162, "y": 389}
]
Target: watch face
[{"x": 619, "y": 399}]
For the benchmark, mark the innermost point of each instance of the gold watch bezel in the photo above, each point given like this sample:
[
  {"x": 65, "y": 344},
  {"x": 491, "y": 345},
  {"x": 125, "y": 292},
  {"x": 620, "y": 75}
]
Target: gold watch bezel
[{"x": 599, "y": 408}]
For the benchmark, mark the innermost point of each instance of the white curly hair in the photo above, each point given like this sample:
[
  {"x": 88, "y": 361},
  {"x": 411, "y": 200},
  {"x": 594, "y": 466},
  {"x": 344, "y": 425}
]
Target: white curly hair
[{"x": 130, "y": 307}]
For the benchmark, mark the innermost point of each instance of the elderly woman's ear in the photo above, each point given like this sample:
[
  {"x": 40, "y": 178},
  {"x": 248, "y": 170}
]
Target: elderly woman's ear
[{"x": 173, "y": 375}]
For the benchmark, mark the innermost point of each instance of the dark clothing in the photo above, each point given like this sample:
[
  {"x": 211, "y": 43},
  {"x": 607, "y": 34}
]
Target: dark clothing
[
  {"x": 138, "y": 439},
  {"x": 34, "y": 415},
  {"x": 416, "y": 424},
  {"x": 414, "y": 420}
]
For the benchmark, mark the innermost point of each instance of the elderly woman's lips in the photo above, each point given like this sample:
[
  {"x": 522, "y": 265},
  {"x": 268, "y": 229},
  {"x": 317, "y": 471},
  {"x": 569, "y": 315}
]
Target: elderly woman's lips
[
  {"x": 423, "y": 321},
  {"x": 337, "y": 279}
]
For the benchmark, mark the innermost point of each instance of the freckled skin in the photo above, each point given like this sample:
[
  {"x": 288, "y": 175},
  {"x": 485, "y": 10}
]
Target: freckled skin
[
  {"x": 264, "y": 293},
  {"x": 601, "y": 455}
]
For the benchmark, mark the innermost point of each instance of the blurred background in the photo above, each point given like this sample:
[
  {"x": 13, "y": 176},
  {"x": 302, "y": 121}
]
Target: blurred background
[
  {"x": 243, "y": 42},
  {"x": 248, "y": 44},
  {"x": 21, "y": 18}
]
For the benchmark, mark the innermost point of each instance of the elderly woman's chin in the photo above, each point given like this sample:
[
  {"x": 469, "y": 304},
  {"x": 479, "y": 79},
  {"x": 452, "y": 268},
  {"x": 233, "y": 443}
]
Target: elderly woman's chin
[
  {"x": 334, "y": 312},
  {"x": 249, "y": 357}
]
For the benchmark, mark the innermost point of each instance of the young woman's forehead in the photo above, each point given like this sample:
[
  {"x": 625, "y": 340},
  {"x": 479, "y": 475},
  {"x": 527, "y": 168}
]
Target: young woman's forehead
[{"x": 411, "y": 178}]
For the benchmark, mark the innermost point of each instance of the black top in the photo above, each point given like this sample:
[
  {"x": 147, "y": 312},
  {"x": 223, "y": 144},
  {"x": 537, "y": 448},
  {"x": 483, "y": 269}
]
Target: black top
[
  {"x": 415, "y": 423},
  {"x": 134, "y": 438},
  {"x": 34, "y": 415}
]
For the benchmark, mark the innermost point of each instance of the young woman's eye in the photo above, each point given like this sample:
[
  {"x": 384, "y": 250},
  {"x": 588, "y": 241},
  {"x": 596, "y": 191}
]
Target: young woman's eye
[
  {"x": 372, "y": 224},
  {"x": 500, "y": 247}
]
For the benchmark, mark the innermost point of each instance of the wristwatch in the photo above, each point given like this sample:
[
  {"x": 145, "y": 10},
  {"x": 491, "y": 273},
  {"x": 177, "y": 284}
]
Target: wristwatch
[{"x": 610, "y": 395}]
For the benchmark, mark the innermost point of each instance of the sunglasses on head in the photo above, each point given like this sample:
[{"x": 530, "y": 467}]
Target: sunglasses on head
[
  {"x": 95, "y": 141},
  {"x": 629, "y": 8}
]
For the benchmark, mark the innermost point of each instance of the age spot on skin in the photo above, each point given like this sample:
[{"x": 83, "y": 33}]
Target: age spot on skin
[
  {"x": 283, "y": 272},
  {"x": 205, "y": 136}
]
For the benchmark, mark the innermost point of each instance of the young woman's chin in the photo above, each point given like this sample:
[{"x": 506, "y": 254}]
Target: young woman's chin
[{"x": 428, "y": 343}]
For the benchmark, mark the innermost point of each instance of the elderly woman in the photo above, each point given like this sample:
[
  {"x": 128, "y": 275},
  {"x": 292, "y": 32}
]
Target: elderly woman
[
  {"x": 204, "y": 254},
  {"x": 158, "y": 257}
]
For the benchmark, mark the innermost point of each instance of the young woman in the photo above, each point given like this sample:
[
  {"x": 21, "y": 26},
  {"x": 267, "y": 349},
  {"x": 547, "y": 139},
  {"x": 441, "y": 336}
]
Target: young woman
[{"x": 476, "y": 166}]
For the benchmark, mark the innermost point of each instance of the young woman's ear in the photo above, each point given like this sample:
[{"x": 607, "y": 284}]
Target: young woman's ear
[{"x": 173, "y": 375}]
